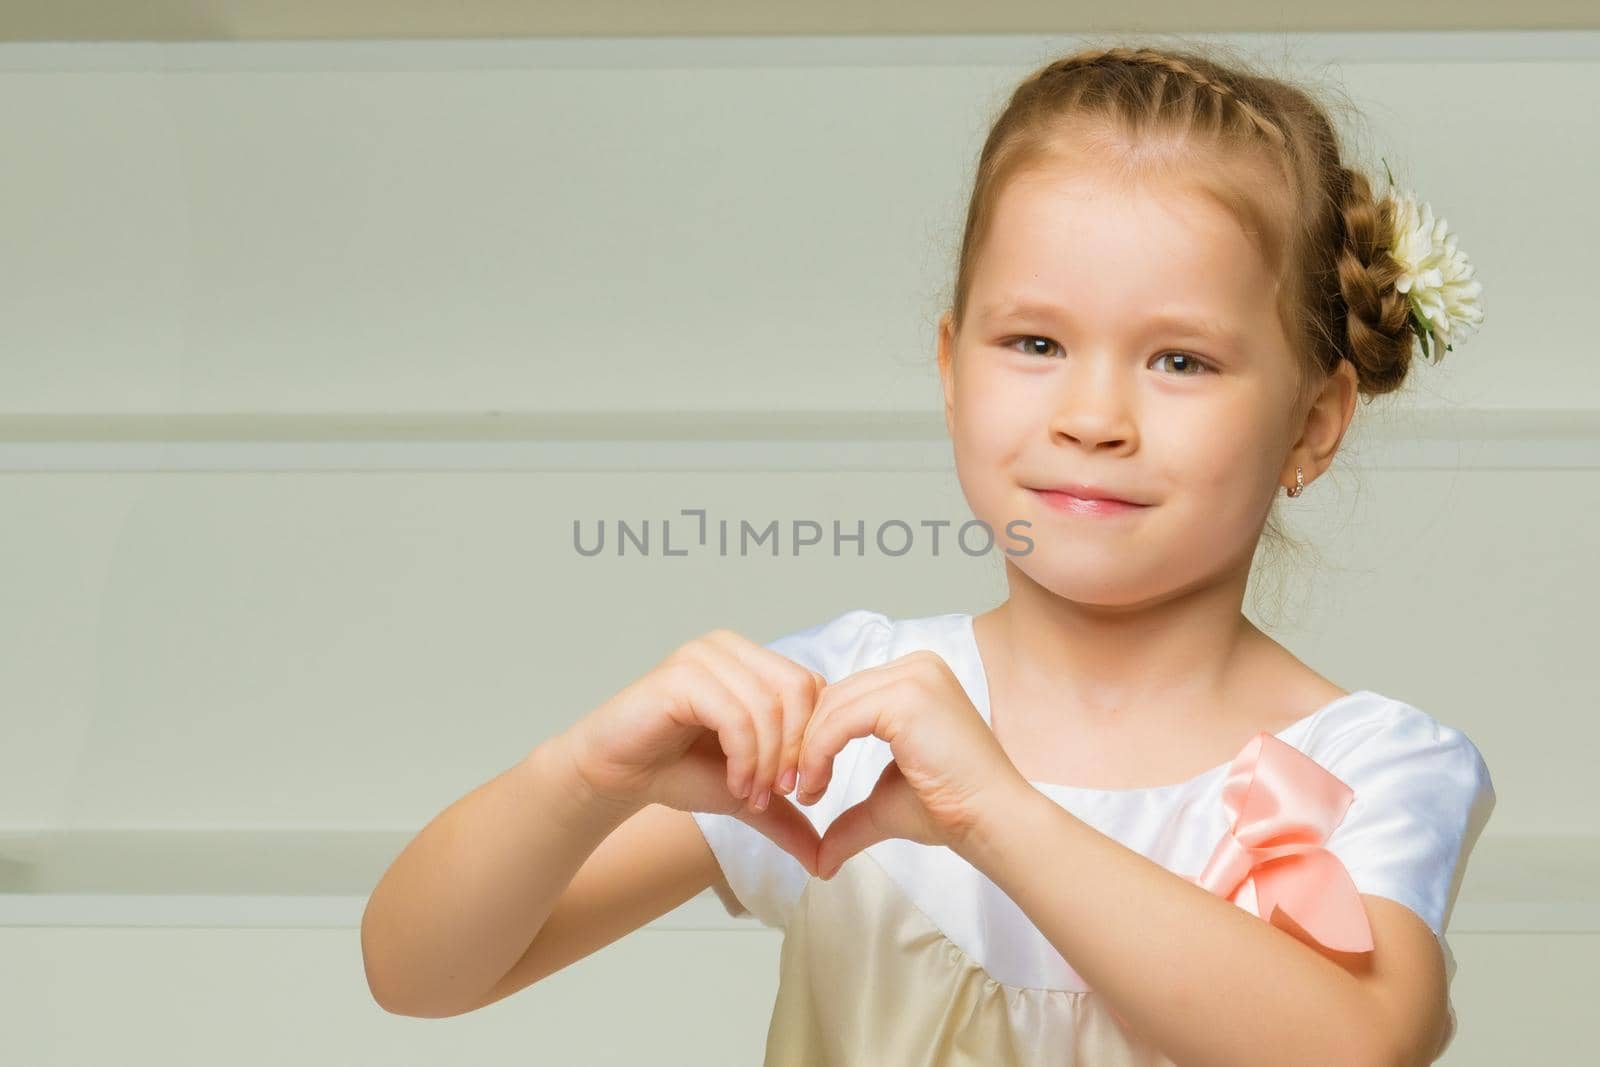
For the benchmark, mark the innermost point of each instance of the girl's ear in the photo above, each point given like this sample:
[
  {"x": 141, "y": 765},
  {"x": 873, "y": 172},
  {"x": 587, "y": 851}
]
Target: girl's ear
[
  {"x": 947, "y": 378},
  {"x": 1326, "y": 421}
]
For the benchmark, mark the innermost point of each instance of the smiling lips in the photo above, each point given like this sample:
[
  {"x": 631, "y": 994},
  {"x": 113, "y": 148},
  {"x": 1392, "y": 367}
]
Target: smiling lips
[
  {"x": 1085, "y": 491},
  {"x": 1086, "y": 500}
]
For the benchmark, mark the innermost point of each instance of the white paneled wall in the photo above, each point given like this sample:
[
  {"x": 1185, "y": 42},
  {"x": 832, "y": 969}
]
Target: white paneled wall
[{"x": 312, "y": 355}]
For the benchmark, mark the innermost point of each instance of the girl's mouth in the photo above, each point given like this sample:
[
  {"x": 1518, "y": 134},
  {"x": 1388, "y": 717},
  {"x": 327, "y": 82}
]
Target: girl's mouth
[{"x": 1073, "y": 505}]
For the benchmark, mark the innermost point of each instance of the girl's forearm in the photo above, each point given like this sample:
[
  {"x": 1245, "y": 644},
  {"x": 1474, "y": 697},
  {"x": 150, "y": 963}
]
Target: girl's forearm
[
  {"x": 462, "y": 902},
  {"x": 1205, "y": 981}
]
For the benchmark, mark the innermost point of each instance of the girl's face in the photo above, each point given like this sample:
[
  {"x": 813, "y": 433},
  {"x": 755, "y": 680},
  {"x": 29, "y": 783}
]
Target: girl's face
[{"x": 1127, "y": 339}]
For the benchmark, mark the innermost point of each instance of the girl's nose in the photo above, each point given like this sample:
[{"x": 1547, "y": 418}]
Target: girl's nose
[{"x": 1093, "y": 413}]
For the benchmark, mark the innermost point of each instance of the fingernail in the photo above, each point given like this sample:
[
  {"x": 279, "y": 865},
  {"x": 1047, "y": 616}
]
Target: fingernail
[
  {"x": 761, "y": 801},
  {"x": 787, "y": 783}
]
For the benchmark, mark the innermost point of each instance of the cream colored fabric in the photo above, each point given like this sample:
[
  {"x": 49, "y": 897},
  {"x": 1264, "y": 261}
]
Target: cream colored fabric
[{"x": 867, "y": 979}]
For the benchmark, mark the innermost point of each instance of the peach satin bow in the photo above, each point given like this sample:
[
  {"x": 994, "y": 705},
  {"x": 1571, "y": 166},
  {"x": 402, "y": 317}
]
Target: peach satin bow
[{"x": 1283, "y": 805}]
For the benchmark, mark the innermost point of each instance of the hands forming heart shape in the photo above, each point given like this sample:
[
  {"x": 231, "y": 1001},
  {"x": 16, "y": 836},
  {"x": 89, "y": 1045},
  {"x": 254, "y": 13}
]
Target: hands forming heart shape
[
  {"x": 723, "y": 719},
  {"x": 947, "y": 775}
]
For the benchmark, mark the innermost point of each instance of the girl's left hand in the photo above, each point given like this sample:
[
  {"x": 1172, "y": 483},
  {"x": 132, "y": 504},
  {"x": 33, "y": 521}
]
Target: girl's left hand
[{"x": 948, "y": 772}]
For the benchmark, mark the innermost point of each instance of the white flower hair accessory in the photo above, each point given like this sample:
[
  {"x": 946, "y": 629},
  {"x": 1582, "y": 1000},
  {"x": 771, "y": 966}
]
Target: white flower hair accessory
[{"x": 1444, "y": 295}]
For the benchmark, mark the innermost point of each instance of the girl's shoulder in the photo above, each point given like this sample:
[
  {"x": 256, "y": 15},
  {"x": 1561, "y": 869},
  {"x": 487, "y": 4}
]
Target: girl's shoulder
[
  {"x": 840, "y": 645},
  {"x": 1369, "y": 731},
  {"x": 861, "y": 637},
  {"x": 864, "y": 632}
]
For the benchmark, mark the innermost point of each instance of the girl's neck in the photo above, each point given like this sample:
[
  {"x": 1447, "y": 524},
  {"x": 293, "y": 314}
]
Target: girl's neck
[
  {"x": 1129, "y": 738},
  {"x": 1188, "y": 650}
]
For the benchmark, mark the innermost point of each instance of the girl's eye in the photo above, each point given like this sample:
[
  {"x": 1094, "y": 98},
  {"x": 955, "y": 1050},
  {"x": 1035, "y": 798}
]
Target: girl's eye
[
  {"x": 1194, "y": 365},
  {"x": 1200, "y": 366},
  {"x": 1012, "y": 344}
]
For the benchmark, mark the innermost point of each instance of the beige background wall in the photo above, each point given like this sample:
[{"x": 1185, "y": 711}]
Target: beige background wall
[
  {"x": 220, "y": 20},
  {"x": 312, "y": 352}
]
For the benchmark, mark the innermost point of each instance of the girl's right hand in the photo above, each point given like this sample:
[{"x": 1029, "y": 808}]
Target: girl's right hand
[{"x": 711, "y": 728}]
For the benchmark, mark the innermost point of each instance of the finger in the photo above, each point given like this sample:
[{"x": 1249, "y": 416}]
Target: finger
[
  {"x": 761, "y": 702},
  {"x": 797, "y": 688},
  {"x": 856, "y": 698},
  {"x": 830, "y": 697},
  {"x": 908, "y": 675},
  {"x": 809, "y": 686},
  {"x": 814, "y": 782},
  {"x": 849, "y": 709},
  {"x": 710, "y": 703}
]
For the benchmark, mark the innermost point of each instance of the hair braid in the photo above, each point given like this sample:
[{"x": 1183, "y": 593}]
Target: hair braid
[
  {"x": 1377, "y": 315},
  {"x": 1108, "y": 57}
]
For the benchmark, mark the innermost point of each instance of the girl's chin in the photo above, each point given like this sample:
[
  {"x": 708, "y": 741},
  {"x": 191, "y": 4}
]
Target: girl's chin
[{"x": 1082, "y": 583}]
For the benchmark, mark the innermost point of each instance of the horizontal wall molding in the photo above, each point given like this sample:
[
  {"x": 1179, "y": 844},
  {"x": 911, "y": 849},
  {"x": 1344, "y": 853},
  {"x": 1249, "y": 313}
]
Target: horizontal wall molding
[
  {"x": 322, "y": 878},
  {"x": 1428, "y": 439},
  {"x": 273, "y": 911},
  {"x": 236, "y": 877},
  {"x": 965, "y": 50}
]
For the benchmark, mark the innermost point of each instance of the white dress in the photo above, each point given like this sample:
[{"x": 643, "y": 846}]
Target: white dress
[{"x": 911, "y": 956}]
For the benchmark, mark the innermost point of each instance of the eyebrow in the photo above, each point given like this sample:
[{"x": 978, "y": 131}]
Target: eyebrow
[{"x": 1183, "y": 324}]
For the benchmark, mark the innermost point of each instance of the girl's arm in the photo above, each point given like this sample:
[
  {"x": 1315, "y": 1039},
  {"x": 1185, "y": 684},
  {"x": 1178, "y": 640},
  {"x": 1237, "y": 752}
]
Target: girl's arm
[
  {"x": 1206, "y": 981},
  {"x": 466, "y": 897},
  {"x": 490, "y": 895}
]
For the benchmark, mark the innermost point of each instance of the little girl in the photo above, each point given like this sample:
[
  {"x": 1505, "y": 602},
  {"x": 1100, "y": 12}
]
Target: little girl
[{"x": 1109, "y": 821}]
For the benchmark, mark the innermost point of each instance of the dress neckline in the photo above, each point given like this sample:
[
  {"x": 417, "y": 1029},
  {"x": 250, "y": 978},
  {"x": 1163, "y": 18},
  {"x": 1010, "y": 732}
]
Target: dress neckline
[{"x": 975, "y": 677}]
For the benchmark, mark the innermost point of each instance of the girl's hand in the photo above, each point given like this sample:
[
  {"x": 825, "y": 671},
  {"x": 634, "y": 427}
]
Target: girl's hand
[
  {"x": 948, "y": 772},
  {"x": 712, "y": 727}
]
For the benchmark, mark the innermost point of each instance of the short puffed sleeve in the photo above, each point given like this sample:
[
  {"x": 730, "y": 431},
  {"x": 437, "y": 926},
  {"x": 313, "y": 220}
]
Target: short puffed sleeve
[
  {"x": 1422, "y": 797},
  {"x": 767, "y": 881}
]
